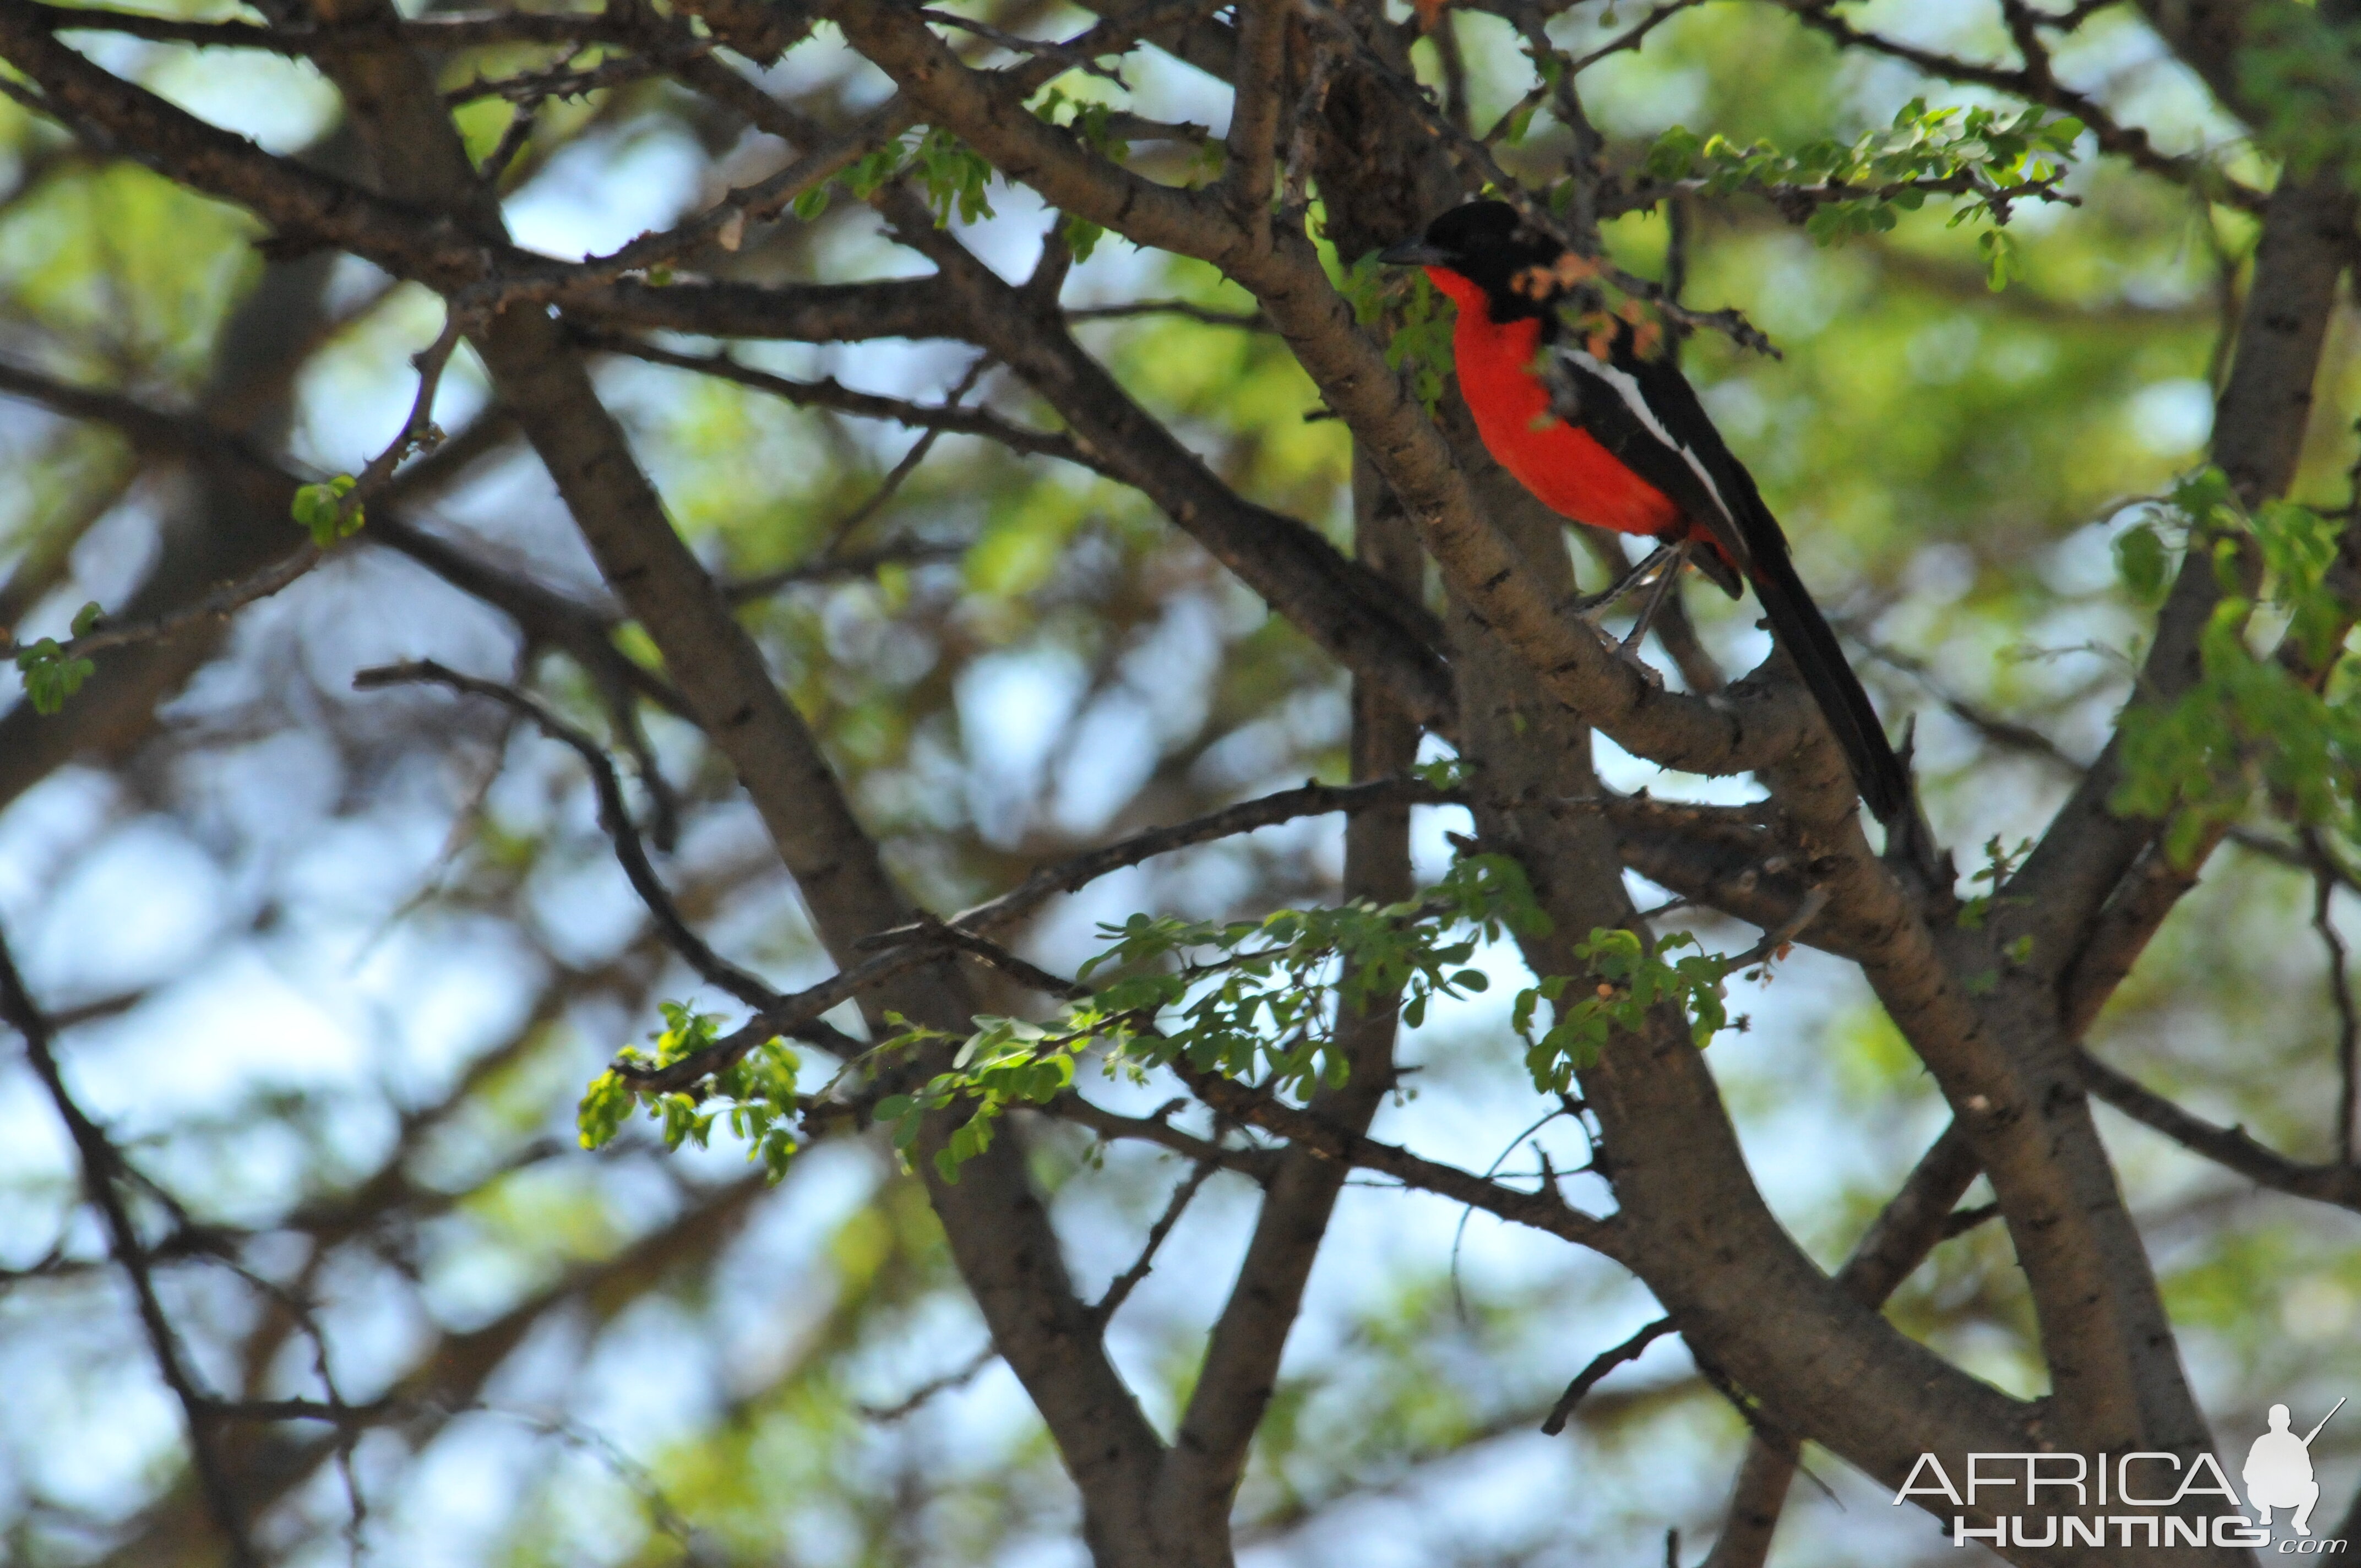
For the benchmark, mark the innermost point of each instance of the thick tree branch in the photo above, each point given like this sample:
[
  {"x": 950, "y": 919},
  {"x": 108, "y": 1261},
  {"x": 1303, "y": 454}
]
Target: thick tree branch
[
  {"x": 998, "y": 1230},
  {"x": 1257, "y": 109},
  {"x": 1242, "y": 1355},
  {"x": 1913, "y": 1223},
  {"x": 798, "y": 313},
  {"x": 1753, "y": 724}
]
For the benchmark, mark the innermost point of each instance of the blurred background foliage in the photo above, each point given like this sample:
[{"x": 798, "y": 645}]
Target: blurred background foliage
[{"x": 335, "y": 965}]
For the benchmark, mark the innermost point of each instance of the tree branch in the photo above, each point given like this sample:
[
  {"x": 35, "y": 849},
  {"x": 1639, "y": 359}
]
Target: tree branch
[
  {"x": 1543, "y": 1211},
  {"x": 1242, "y": 1353},
  {"x": 2229, "y": 1148},
  {"x": 101, "y": 1164},
  {"x": 1257, "y": 109},
  {"x": 615, "y": 821},
  {"x": 998, "y": 1230},
  {"x": 831, "y": 394},
  {"x": 2035, "y": 83},
  {"x": 1913, "y": 1223},
  {"x": 2088, "y": 850},
  {"x": 1605, "y": 1361},
  {"x": 1259, "y": 1165},
  {"x": 798, "y": 313},
  {"x": 453, "y": 30},
  {"x": 1367, "y": 625}
]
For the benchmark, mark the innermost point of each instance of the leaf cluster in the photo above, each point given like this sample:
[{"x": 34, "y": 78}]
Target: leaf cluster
[
  {"x": 52, "y": 672},
  {"x": 1985, "y": 157},
  {"x": 2251, "y": 721},
  {"x": 1632, "y": 980},
  {"x": 756, "y": 1095},
  {"x": 325, "y": 510},
  {"x": 952, "y": 176},
  {"x": 1420, "y": 334},
  {"x": 1259, "y": 1000}
]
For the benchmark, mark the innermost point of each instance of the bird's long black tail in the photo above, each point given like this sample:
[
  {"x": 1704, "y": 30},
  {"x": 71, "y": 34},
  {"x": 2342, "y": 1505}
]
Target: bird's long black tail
[{"x": 1796, "y": 621}]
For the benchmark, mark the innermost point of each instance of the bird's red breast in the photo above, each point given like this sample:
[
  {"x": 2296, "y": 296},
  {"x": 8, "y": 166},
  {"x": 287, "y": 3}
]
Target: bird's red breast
[{"x": 1561, "y": 464}]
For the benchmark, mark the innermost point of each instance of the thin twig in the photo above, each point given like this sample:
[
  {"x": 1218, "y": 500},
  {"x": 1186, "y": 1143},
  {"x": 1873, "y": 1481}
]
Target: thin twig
[
  {"x": 2326, "y": 874},
  {"x": 1248, "y": 320},
  {"x": 2001, "y": 731},
  {"x": 1017, "y": 43},
  {"x": 1264, "y": 811},
  {"x": 909, "y": 1403},
  {"x": 1257, "y": 1165},
  {"x": 1023, "y": 971},
  {"x": 1121, "y": 1287},
  {"x": 2039, "y": 85},
  {"x": 101, "y": 1164},
  {"x": 1775, "y": 942},
  {"x": 901, "y": 471},
  {"x": 824, "y": 159},
  {"x": 1600, "y": 1365},
  {"x": 532, "y": 88},
  {"x": 919, "y": 943},
  {"x": 839, "y": 568},
  {"x": 218, "y": 604},
  {"x": 512, "y": 141},
  {"x": 418, "y": 433},
  {"x": 2230, "y": 1147},
  {"x": 1631, "y": 36},
  {"x": 614, "y": 819},
  {"x": 828, "y": 393}
]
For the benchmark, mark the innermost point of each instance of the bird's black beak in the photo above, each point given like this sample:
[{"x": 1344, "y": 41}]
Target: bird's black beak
[{"x": 1414, "y": 252}]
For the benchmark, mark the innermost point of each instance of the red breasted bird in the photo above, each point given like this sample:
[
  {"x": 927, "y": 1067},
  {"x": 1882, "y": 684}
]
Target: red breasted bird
[{"x": 1611, "y": 436}]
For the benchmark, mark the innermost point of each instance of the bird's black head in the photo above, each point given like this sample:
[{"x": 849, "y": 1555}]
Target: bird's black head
[{"x": 1517, "y": 267}]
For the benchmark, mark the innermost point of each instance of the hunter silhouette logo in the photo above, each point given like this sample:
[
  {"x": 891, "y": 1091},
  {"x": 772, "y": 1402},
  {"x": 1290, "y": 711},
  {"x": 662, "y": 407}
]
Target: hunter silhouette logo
[{"x": 2279, "y": 1470}]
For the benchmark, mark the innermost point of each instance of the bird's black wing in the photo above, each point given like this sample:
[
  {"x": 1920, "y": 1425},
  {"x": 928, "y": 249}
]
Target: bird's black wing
[
  {"x": 1647, "y": 414},
  {"x": 1609, "y": 401}
]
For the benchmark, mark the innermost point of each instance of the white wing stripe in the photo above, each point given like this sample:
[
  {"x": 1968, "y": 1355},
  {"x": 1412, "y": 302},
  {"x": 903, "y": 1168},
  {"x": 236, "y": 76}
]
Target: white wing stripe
[{"x": 1627, "y": 387}]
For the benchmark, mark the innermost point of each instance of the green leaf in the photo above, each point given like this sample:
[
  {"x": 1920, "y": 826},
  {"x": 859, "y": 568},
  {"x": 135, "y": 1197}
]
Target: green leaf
[
  {"x": 2003, "y": 262},
  {"x": 1673, "y": 154},
  {"x": 322, "y": 509},
  {"x": 2142, "y": 561},
  {"x": 51, "y": 675},
  {"x": 605, "y": 1103}
]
